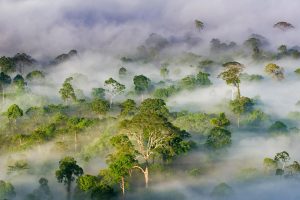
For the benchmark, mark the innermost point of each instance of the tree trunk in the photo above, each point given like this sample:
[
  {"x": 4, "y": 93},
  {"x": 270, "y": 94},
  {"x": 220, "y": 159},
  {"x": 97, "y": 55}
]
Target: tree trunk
[
  {"x": 123, "y": 187},
  {"x": 110, "y": 102},
  {"x": 75, "y": 141},
  {"x": 146, "y": 174},
  {"x": 238, "y": 91},
  {"x": 69, "y": 191},
  {"x": 238, "y": 121}
]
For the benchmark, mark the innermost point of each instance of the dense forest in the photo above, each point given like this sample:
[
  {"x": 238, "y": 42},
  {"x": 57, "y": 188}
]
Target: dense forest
[{"x": 127, "y": 109}]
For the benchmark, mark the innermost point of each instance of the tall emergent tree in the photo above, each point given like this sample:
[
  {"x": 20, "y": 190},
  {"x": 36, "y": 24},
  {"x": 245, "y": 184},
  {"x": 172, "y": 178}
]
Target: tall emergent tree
[
  {"x": 151, "y": 135},
  {"x": 114, "y": 88},
  {"x": 67, "y": 91},
  {"x": 67, "y": 173},
  {"x": 142, "y": 84},
  {"x": 231, "y": 75}
]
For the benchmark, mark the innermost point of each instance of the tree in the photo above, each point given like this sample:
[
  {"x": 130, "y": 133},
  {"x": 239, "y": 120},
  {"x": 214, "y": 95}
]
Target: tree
[
  {"x": 7, "y": 190},
  {"x": 41, "y": 193},
  {"x": 275, "y": 71},
  {"x": 35, "y": 75},
  {"x": 14, "y": 112},
  {"x": 128, "y": 107},
  {"x": 231, "y": 75},
  {"x": 282, "y": 157},
  {"x": 241, "y": 105},
  {"x": 5, "y": 80},
  {"x": 98, "y": 93},
  {"x": 7, "y": 65},
  {"x": 67, "y": 173},
  {"x": 157, "y": 106},
  {"x": 19, "y": 83},
  {"x": 121, "y": 162},
  {"x": 114, "y": 88},
  {"x": 219, "y": 136},
  {"x": 100, "y": 106},
  {"x": 67, "y": 91},
  {"x": 278, "y": 127},
  {"x": 142, "y": 84},
  {"x": 86, "y": 182},
  {"x": 153, "y": 135},
  {"x": 203, "y": 79},
  {"x": 164, "y": 71},
  {"x": 199, "y": 25},
  {"x": 123, "y": 72}
]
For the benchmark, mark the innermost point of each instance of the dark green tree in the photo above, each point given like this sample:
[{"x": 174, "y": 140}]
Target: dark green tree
[
  {"x": 68, "y": 172},
  {"x": 98, "y": 93},
  {"x": 5, "y": 80},
  {"x": 219, "y": 136},
  {"x": 142, "y": 84}
]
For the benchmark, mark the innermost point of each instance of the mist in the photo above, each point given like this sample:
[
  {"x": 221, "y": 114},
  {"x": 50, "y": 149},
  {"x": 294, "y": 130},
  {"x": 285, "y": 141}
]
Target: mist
[{"x": 143, "y": 37}]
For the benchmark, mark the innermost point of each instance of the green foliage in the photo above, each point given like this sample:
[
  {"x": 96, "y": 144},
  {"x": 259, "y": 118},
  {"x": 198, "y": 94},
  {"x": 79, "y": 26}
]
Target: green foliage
[
  {"x": 19, "y": 83},
  {"x": 67, "y": 91},
  {"x": 4, "y": 79},
  {"x": 7, "y": 65},
  {"x": 202, "y": 79},
  {"x": 35, "y": 75},
  {"x": 194, "y": 122},
  {"x": 142, "y": 84},
  {"x": 123, "y": 72},
  {"x": 68, "y": 170},
  {"x": 219, "y": 137},
  {"x": 221, "y": 121},
  {"x": 192, "y": 82},
  {"x": 156, "y": 134},
  {"x": 7, "y": 190},
  {"x": 128, "y": 107},
  {"x": 14, "y": 112},
  {"x": 255, "y": 118},
  {"x": 251, "y": 77},
  {"x": 241, "y": 105},
  {"x": 100, "y": 106},
  {"x": 231, "y": 74},
  {"x": 278, "y": 127},
  {"x": 157, "y": 106},
  {"x": 98, "y": 93},
  {"x": 86, "y": 182},
  {"x": 164, "y": 93},
  {"x": 275, "y": 71},
  {"x": 102, "y": 191},
  {"x": 114, "y": 88}
]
